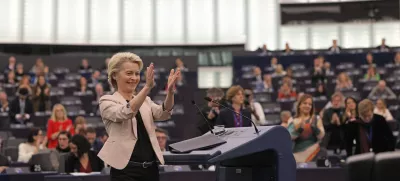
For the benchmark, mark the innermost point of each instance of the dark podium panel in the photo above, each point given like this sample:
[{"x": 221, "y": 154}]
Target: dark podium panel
[{"x": 246, "y": 156}]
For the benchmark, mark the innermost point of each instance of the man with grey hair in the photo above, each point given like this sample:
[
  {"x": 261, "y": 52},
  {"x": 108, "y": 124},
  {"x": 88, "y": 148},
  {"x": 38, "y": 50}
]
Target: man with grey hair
[
  {"x": 381, "y": 91},
  {"x": 211, "y": 111}
]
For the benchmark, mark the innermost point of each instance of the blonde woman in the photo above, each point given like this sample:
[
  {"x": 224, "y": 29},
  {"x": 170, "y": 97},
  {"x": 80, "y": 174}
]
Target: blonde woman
[
  {"x": 343, "y": 82},
  {"x": 306, "y": 131},
  {"x": 80, "y": 125},
  {"x": 381, "y": 109},
  {"x": 279, "y": 72},
  {"x": 58, "y": 122}
]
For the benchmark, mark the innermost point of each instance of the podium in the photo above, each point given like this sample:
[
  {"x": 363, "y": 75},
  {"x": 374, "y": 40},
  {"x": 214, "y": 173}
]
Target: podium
[{"x": 246, "y": 155}]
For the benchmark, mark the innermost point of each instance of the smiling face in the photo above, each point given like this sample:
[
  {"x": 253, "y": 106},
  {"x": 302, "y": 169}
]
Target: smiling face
[{"x": 128, "y": 77}]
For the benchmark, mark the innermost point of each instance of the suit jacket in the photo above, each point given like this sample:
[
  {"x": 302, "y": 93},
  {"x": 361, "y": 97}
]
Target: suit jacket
[
  {"x": 226, "y": 118},
  {"x": 72, "y": 164},
  {"x": 121, "y": 126},
  {"x": 382, "y": 136},
  {"x": 16, "y": 109}
]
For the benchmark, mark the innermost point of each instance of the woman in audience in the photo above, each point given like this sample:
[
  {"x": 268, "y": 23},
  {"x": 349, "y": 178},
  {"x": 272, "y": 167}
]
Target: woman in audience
[
  {"x": 372, "y": 74},
  {"x": 321, "y": 91},
  {"x": 80, "y": 125},
  {"x": 306, "y": 131},
  {"x": 11, "y": 79},
  {"x": 34, "y": 144},
  {"x": 58, "y": 122},
  {"x": 350, "y": 110},
  {"x": 381, "y": 109},
  {"x": 41, "y": 95},
  {"x": 83, "y": 85},
  {"x": 279, "y": 72},
  {"x": 289, "y": 72},
  {"x": 343, "y": 82},
  {"x": 4, "y": 104},
  {"x": 81, "y": 158},
  {"x": 19, "y": 72},
  {"x": 285, "y": 92},
  {"x": 370, "y": 132},
  {"x": 25, "y": 83},
  {"x": 39, "y": 67},
  {"x": 63, "y": 142}
]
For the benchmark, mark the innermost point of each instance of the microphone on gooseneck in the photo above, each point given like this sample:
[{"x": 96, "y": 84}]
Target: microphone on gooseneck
[
  {"x": 205, "y": 119},
  {"x": 216, "y": 102}
]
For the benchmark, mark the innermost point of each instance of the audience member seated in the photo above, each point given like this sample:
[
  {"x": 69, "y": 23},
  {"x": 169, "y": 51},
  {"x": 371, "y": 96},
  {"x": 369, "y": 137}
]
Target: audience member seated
[
  {"x": 81, "y": 158},
  {"x": 235, "y": 96},
  {"x": 4, "y": 107},
  {"x": 83, "y": 85},
  {"x": 321, "y": 91},
  {"x": 328, "y": 69},
  {"x": 104, "y": 137},
  {"x": 211, "y": 111},
  {"x": 267, "y": 83},
  {"x": 306, "y": 131},
  {"x": 34, "y": 144},
  {"x": 91, "y": 136},
  {"x": 25, "y": 83},
  {"x": 11, "y": 79},
  {"x": 41, "y": 95},
  {"x": 370, "y": 132},
  {"x": 285, "y": 117},
  {"x": 332, "y": 123},
  {"x": 299, "y": 95},
  {"x": 39, "y": 67},
  {"x": 381, "y": 109},
  {"x": 397, "y": 59},
  {"x": 19, "y": 72},
  {"x": 372, "y": 74},
  {"x": 279, "y": 72},
  {"x": 4, "y": 163},
  {"x": 85, "y": 65},
  {"x": 383, "y": 47},
  {"x": 287, "y": 49},
  {"x": 12, "y": 61},
  {"x": 106, "y": 61},
  {"x": 258, "y": 79},
  {"x": 179, "y": 64},
  {"x": 350, "y": 110},
  {"x": 95, "y": 78},
  {"x": 381, "y": 91},
  {"x": 288, "y": 80},
  {"x": 289, "y": 72},
  {"x": 285, "y": 92},
  {"x": 343, "y": 82},
  {"x": 318, "y": 72},
  {"x": 263, "y": 50},
  {"x": 334, "y": 48},
  {"x": 162, "y": 137},
  {"x": 63, "y": 142},
  {"x": 58, "y": 122},
  {"x": 98, "y": 91},
  {"x": 370, "y": 61},
  {"x": 80, "y": 125},
  {"x": 274, "y": 64},
  {"x": 257, "y": 111},
  {"x": 21, "y": 108}
]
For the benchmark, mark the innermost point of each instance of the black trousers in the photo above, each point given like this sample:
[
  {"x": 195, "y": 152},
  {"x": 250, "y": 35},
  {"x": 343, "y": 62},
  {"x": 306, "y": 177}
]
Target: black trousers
[{"x": 135, "y": 173}]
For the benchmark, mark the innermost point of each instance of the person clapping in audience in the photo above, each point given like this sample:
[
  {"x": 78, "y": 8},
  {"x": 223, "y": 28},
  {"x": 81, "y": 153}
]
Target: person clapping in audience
[
  {"x": 81, "y": 158},
  {"x": 41, "y": 95},
  {"x": 343, "y": 82},
  {"x": 285, "y": 92},
  {"x": 58, "y": 122},
  {"x": 91, "y": 136},
  {"x": 35, "y": 143},
  {"x": 257, "y": 112},
  {"x": 372, "y": 74},
  {"x": 3, "y": 102},
  {"x": 332, "y": 122},
  {"x": 381, "y": 109},
  {"x": 350, "y": 110},
  {"x": 211, "y": 111},
  {"x": 370, "y": 132},
  {"x": 11, "y": 79},
  {"x": 21, "y": 108},
  {"x": 306, "y": 130},
  {"x": 63, "y": 142}
]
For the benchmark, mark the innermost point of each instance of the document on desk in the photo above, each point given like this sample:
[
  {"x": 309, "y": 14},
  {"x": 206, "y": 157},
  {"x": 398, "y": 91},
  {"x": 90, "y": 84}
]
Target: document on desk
[{"x": 85, "y": 174}]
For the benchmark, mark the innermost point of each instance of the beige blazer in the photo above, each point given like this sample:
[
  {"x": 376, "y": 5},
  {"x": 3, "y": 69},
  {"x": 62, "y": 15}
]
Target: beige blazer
[{"x": 121, "y": 126}]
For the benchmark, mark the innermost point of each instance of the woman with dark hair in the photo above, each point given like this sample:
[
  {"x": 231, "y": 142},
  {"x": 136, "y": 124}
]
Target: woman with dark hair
[
  {"x": 350, "y": 110},
  {"x": 82, "y": 159},
  {"x": 306, "y": 130},
  {"x": 41, "y": 95},
  {"x": 36, "y": 142},
  {"x": 63, "y": 142}
]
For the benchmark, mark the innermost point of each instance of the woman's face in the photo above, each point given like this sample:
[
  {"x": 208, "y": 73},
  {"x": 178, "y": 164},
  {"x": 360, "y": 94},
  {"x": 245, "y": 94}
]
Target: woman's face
[
  {"x": 59, "y": 112},
  {"x": 85, "y": 63},
  {"x": 306, "y": 106},
  {"x": 74, "y": 149},
  {"x": 128, "y": 77},
  {"x": 11, "y": 75},
  {"x": 238, "y": 98},
  {"x": 39, "y": 137},
  {"x": 25, "y": 81},
  {"x": 379, "y": 104},
  {"x": 320, "y": 88},
  {"x": 20, "y": 67},
  {"x": 41, "y": 80},
  {"x": 350, "y": 104}
]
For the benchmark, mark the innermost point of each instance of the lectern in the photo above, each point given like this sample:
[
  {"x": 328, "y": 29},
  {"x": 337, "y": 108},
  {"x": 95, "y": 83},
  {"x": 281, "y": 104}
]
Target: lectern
[{"x": 246, "y": 155}]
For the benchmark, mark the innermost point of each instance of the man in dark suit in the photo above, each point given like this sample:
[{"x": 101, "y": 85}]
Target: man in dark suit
[
  {"x": 371, "y": 132},
  {"x": 21, "y": 108},
  {"x": 234, "y": 95},
  {"x": 335, "y": 48}
]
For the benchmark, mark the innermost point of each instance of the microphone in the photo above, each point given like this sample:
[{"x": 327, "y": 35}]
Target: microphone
[
  {"x": 205, "y": 119},
  {"x": 254, "y": 125}
]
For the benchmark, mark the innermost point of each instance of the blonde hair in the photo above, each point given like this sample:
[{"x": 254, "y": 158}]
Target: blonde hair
[
  {"x": 116, "y": 62},
  {"x": 364, "y": 106},
  {"x": 233, "y": 91},
  {"x": 53, "y": 113},
  {"x": 80, "y": 120}
]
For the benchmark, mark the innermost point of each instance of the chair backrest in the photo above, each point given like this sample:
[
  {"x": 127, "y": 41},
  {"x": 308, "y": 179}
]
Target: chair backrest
[
  {"x": 13, "y": 142},
  {"x": 360, "y": 167},
  {"x": 11, "y": 152},
  {"x": 387, "y": 166}
]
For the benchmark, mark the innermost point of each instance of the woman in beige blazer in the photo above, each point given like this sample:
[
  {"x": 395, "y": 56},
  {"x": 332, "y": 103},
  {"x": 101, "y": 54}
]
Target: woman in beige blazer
[{"x": 132, "y": 149}]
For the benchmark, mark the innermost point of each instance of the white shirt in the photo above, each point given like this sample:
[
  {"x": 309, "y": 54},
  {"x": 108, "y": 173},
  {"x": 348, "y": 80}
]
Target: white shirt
[
  {"x": 25, "y": 152},
  {"x": 386, "y": 114},
  {"x": 260, "y": 112}
]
